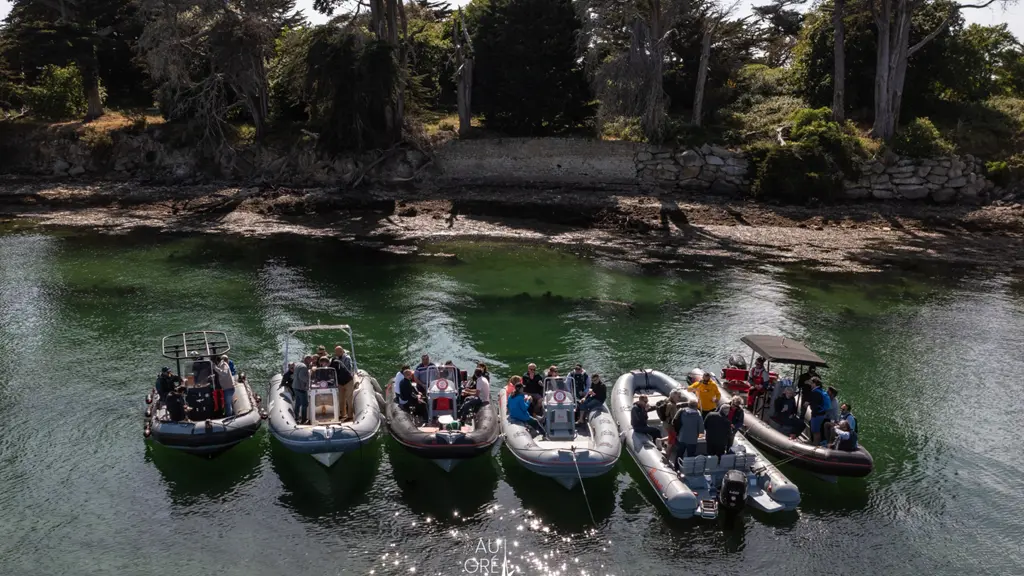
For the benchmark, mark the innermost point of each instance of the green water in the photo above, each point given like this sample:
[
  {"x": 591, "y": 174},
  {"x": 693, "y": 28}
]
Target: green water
[{"x": 932, "y": 366}]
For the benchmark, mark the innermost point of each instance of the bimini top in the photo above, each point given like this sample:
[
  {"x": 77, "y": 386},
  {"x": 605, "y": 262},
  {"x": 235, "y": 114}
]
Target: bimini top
[
  {"x": 199, "y": 343},
  {"x": 782, "y": 349}
]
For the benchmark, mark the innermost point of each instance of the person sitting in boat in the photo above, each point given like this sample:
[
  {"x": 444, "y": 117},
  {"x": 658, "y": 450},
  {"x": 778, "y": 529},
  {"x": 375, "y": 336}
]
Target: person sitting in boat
[
  {"x": 785, "y": 413},
  {"x": 400, "y": 374},
  {"x": 409, "y": 397},
  {"x": 846, "y": 416},
  {"x": 519, "y": 409},
  {"x": 301, "y": 388},
  {"x": 166, "y": 382},
  {"x": 845, "y": 439},
  {"x": 595, "y": 398},
  {"x": 638, "y": 419},
  {"x": 177, "y": 408},
  {"x": 289, "y": 376},
  {"x": 552, "y": 371},
  {"x": 820, "y": 405},
  {"x": 533, "y": 386},
  {"x": 476, "y": 393},
  {"x": 423, "y": 372},
  {"x": 707, "y": 394},
  {"x": 758, "y": 373},
  {"x": 733, "y": 412},
  {"x": 580, "y": 380},
  {"x": 483, "y": 368},
  {"x": 689, "y": 425},
  {"x": 717, "y": 433}
]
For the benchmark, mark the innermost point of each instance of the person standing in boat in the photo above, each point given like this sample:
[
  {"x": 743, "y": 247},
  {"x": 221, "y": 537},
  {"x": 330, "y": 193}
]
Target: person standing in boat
[
  {"x": 820, "y": 405},
  {"x": 288, "y": 377},
  {"x": 733, "y": 412},
  {"x": 759, "y": 376},
  {"x": 301, "y": 388},
  {"x": 166, "y": 382},
  {"x": 803, "y": 384},
  {"x": 595, "y": 399},
  {"x": 581, "y": 381},
  {"x": 346, "y": 382},
  {"x": 519, "y": 408},
  {"x": 475, "y": 394},
  {"x": 638, "y": 419},
  {"x": 226, "y": 381},
  {"x": 689, "y": 426},
  {"x": 533, "y": 386},
  {"x": 707, "y": 394},
  {"x": 717, "y": 433},
  {"x": 409, "y": 397}
]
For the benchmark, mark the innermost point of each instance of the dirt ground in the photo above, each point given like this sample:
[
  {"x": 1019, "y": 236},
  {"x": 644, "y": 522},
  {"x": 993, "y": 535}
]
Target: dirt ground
[{"x": 627, "y": 224}]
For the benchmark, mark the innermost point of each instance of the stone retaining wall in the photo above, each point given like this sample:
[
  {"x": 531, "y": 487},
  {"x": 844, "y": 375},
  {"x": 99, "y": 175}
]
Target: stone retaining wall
[
  {"x": 942, "y": 180},
  {"x": 554, "y": 160},
  {"x": 705, "y": 168}
]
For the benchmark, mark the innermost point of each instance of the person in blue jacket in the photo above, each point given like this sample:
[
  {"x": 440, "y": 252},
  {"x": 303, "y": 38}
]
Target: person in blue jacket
[
  {"x": 820, "y": 405},
  {"x": 519, "y": 410}
]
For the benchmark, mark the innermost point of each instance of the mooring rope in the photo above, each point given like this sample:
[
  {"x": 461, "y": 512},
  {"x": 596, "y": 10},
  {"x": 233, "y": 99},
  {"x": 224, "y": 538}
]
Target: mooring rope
[{"x": 582, "y": 487}]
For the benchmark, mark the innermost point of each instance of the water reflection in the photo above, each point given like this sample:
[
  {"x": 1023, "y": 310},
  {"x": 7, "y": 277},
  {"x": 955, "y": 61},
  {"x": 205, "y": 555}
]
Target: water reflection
[
  {"x": 447, "y": 497},
  {"x": 318, "y": 492},
  {"x": 191, "y": 480}
]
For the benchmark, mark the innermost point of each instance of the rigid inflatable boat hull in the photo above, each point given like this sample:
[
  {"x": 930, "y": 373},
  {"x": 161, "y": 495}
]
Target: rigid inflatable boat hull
[
  {"x": 445, "y": 448},
  {"x": 823, "y": 461},
  {"x": 771, "y": 492},
  {"x": 222, "y": 434},
  {"x": 327, "y": 443},
  {"x": 566, "y": 462}
]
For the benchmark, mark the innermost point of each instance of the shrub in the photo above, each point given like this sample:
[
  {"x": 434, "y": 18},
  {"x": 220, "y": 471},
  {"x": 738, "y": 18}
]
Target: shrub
[
  {"x": 921, "y": 139},
  {"x": 797, "y": 173},
  {"x": 803, "y": 118},
  {"x": 99, "y": 143},
  {"x": 1006, "y": 172},
  {"x": 763, "y": 118},
  {"x": 623, "y": 128},
  {"x": 59, "y": 94}
]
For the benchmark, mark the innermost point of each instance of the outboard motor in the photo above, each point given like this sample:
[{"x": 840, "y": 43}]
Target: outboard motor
[
  {"x": 732, "y": 494},
  {"x": 695, "y": 375},
  {"x": 736, "y": 361}
]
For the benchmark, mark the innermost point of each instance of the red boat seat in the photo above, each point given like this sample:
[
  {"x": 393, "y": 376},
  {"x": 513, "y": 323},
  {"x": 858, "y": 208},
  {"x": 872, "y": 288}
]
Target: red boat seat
[
  {"x": 737, "y": 374},
  {"x": 442, "y": 404}
]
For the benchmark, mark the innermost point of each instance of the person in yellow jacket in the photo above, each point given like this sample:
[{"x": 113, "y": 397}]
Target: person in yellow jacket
[{"x": 707, "y": 394}]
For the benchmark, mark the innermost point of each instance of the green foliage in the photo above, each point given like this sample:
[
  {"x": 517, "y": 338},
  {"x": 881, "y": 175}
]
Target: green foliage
[
  {"x": 921, "y": 139},
  {"x": 988, "y": 61},
  {"x": 286, "y": 75},
  {"x": 1006, "y": 172},
  {"x": 431, "y": 66},
  {"x": 58, "y": 95},
  {"x": 623, "y": 128},
  {"x": 527, "y": 77},
  {"x": 350, "y": 83},
  {"x": 929, "y": 74},
  {"x": 819, "y": 155},
  {"x": 99, "y": 143}
]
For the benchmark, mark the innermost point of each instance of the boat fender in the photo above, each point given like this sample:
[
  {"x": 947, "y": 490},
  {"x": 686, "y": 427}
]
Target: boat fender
[
  {"x": 263, "y": 414},
  {"x": 259, "y": 399},
  {"x": 149, "y": 398},
  {"x": 146, "y": 432},
  {"x": 209, "y": 426},
  {"x": 149, "y": 412}
]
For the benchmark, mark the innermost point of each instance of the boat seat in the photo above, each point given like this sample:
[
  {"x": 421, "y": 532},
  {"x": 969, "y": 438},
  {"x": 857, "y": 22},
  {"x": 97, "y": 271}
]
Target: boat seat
[
  {"x": 744, "y": 461},
  {"x": 686, "y": 465},
  {"x": 711, "y": 464},
  {"x": 698, "y": 463},
  {"x": 727, "y": 462}
]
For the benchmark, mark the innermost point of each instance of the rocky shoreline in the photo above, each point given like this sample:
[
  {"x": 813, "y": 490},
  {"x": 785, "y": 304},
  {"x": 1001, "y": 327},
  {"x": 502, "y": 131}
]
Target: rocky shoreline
[{"x": 620, "y": 222}]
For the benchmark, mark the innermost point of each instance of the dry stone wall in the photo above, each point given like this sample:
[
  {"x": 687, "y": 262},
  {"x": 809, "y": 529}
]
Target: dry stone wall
[
  {"x": 705, "y": 168},
  {"x": 942, "y": 180}
]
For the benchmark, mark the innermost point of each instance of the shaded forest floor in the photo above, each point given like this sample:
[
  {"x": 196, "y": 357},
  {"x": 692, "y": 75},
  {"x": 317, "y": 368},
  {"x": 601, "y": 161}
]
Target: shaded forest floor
[{"x": 629, "y": 224}]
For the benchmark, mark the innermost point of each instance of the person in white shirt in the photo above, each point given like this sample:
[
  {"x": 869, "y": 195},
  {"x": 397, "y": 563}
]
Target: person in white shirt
[{"x": 475, "y": 395}]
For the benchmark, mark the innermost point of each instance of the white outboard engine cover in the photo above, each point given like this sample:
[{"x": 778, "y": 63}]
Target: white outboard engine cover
[{"x": 695, "y": 375}]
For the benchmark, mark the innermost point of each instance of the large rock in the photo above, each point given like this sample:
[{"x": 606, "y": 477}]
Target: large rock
[
  {"x": 668, "y": 167},
  {"x": 900, "y": 170},
  {"x": 721, "y": 152},
  {"x": 939, "y": 171},
  {"x": 923, "y": 171},
  {"x": 944, "y": 195},
  {"x": 77, "y": 170},
  {"x": 691, "y": 171},
  {"x": 877, "y": 167},
  {"x": 955, "y": 172},
  {"x": 723, "y": 187},
  {"x": 60, "y": 167},
  {"x": 856, "y": 193},
  {"x": 880, "y": 179},
  {"x": 936, "y": 179},
  {"x": 662, "y": 155},
  {"x": 957, "y": 182},
  {"x": 644, "y": 156},
  {"x": 911, "y": 180},
  {"x": 665, "y": 175},
  {"x": 882, "y": 193},
  {"x": 714, "y": 160},
  {"x": 708, "y": 173},
  {"x": 689, "y": 158},
  {"x": 734, "y": 170},
  {"x": 913, "y": 192}
]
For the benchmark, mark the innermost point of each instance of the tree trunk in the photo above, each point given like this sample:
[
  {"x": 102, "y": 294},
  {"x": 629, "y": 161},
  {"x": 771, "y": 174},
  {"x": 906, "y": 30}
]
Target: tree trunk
[
  {"x": 702, "y": 77},
  {"x": 898, "y": 69},
  {"x": 839, "y": 70},
  {"x": 91, "y": 84},
  {"x": 882, "y": 127},
  {"x": 464, "y": 71}
]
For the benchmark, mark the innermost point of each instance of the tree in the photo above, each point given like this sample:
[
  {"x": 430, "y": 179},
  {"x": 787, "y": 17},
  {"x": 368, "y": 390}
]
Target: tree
[
  {"x": 527, "y": 77},
  {"x": 210, "y": 57},
  {"x": 893, "y": 51},
  {"x": 626, "y": 45},
  {"x": 988, "y": 61},
  {"x": 59, "y": 32},
  {"x": 464, "y": 60},
  {"x": 839, "y": 67},
  {"x": 778, "y": 27}
]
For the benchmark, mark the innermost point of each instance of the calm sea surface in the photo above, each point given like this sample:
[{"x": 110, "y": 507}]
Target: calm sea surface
[{"x": 932, "y": 364}]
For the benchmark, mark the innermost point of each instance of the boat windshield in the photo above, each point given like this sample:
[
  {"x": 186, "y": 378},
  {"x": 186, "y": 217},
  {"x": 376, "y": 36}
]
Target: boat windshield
[
  {"x": 323, "y": 378},
  {"x": 202, "y": 371},
  {"x": 559, "y": 383}
]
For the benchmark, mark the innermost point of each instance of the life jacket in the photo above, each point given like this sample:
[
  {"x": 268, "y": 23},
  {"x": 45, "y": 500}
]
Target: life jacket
[
  {"x": 821, "y": 408},
  {"x": 757, "y": 374},
  {"x": 849, "y": 444},
  {"x": 579, "y": 382}
]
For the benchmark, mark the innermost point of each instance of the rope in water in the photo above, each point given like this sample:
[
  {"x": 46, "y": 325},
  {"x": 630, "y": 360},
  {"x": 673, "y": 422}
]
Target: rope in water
[{"x": 584, "y": 488}]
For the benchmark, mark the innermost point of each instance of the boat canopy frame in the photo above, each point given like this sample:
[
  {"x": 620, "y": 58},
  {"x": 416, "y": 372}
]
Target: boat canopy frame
[
  {"x": 194, "y": 344},
  {"x": 347, "y": 329},
  {"x": 783, "y": 350}
]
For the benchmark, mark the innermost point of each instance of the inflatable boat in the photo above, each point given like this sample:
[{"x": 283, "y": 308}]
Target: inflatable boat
[
  {"x": 565, "y": 452},
  {"x": 441, "y": 437},
  {"x": 188, "y": 414},
  {"x": 764, "y": 429},
  {"x": 327, "y": 436},
  {"x": 701, "y": 485}
]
